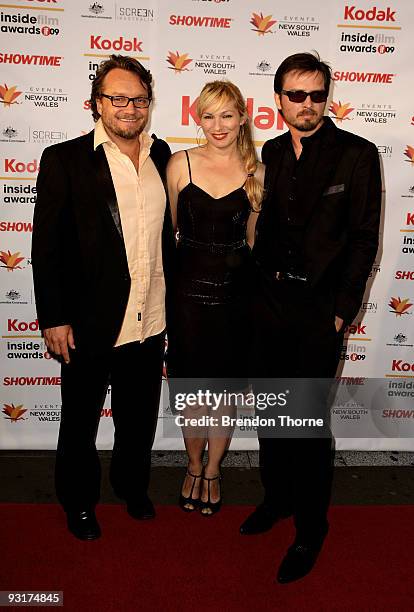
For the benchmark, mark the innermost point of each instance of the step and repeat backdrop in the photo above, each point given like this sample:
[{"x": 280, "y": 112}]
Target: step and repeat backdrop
[{"x": 49, "y": 53}]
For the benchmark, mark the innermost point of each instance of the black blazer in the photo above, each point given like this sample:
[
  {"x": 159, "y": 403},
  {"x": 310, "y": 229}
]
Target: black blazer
[
  {"x": 342, "y": 216},
  {"x": 80, "y": 267}
]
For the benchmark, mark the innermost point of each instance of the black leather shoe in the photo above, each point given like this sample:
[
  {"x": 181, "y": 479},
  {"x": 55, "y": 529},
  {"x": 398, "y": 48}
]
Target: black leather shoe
[
  {"x": 83, "y": 524},
  {"x": 141, "y": 509},
  {"x": 298, "y": 561},
  {"x": 260, "y": 520}
]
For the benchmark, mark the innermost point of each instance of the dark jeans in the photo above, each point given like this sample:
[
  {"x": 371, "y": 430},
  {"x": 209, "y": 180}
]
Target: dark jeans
[
  {"x": 134, "y": 371},
  {"x": 295, "y": 337}
]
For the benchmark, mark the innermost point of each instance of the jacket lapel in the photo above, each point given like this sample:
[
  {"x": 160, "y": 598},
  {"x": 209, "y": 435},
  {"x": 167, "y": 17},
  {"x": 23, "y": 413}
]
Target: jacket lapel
[
  {"x": 106, "y": 187},
  {"x": 329, "y": 154},
  {"x": 272, "y": 159}
]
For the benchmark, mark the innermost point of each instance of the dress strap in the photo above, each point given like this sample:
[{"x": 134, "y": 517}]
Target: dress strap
[{"x": 189, "y": 167}]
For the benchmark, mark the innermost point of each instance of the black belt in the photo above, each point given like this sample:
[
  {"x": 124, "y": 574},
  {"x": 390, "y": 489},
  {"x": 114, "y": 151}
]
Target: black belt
[{"x": 212, "y": 247}]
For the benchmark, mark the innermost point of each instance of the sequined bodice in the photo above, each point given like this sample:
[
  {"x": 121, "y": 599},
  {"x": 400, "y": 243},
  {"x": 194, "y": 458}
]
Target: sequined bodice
[{"x": 212, "y": 249}]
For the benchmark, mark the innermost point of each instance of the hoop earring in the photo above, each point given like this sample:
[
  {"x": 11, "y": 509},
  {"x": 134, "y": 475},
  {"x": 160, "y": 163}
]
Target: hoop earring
[{"x": 198, "y": 137}]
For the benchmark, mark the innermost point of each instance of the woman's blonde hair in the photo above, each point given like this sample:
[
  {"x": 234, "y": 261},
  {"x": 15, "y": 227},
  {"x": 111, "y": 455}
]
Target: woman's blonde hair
[{"x": 214, "y": 95}]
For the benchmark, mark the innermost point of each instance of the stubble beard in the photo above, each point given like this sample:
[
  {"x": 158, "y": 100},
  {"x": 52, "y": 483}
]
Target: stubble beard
[
  {"x": 307, "y": 122},
  {"x": 127, "y": 132}
]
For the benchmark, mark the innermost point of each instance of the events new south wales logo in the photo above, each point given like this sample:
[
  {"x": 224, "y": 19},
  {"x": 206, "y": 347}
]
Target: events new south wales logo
[
  {"x": 178, "y": 62},
  {"x": 9, "y": 95},
  {"x": 409, "y": 152},
  {"x": 262, "y": 23},
  {"x": 10, "y": 261},
  {"x": 340, "y": 111},
  {"x": 14, "y": 413},
  {"x": 399, "y": 306}
]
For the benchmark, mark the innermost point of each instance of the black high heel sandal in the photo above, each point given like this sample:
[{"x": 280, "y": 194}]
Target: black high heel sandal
[
  {"x": 183, "y": 501},
  {"x": 214, "y": 507}
]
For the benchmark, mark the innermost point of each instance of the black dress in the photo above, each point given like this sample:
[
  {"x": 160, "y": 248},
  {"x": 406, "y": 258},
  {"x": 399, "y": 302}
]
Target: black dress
[{"x": 209, "y": 325}]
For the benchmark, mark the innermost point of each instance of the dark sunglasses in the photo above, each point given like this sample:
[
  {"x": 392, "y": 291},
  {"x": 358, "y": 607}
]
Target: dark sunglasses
[{"x": 319, "y": 95}]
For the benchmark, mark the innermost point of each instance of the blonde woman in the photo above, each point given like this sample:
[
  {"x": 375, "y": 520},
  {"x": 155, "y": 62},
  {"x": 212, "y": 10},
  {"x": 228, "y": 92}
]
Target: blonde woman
[{"x": 215, "y": 192}]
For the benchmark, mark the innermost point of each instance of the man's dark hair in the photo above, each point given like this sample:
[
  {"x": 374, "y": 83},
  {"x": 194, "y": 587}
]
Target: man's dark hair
[
  {"x": 117, "y": 61},
  {"x": 302, "y": 62}
]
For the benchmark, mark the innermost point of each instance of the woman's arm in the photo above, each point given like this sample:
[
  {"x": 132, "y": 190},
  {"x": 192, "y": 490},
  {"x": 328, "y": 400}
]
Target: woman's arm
[{"x": 174, "y": 174}]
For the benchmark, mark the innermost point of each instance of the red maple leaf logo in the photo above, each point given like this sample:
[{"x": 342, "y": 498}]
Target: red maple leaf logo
[
  {"x": 10, "y": 260},
  {"x": 8, "y": 95},
  {"x": 14, "y": 413},
  {"x": 261, "y": 23},
  {"x": 399, "y": 306},
  {"x": 178, "y": 62}
]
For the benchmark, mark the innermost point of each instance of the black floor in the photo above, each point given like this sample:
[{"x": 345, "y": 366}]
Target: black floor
[{"x": 27, "y": 477}]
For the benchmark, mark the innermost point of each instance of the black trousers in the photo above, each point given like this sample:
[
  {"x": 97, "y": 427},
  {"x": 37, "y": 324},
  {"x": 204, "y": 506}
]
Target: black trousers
[
  {"x": 295, "y": 337},
  {"x": 134, "y": 371}
]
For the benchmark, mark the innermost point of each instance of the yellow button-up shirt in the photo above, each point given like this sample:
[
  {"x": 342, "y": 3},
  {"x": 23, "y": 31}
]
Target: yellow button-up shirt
[{"x": 141, "y": 202}]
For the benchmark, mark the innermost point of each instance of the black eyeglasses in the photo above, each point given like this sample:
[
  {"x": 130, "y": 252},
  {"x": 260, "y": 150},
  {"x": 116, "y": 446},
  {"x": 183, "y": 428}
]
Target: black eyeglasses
[
  {"x": 123, "y": 101},
  {"x": 319, "y": 95}
]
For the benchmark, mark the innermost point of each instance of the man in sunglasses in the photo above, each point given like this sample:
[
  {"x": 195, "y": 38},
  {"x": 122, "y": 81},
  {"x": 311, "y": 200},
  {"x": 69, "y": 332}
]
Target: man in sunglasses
[
  {"x": 316, "y": 240},
  {"x": 102, "y": 240}
]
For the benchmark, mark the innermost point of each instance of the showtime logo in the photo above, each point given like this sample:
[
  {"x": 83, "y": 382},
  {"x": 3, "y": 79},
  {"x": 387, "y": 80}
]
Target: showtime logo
[
  {"x": 363, "y": 77},
  {"x": 119, "y": 44},
  {"x": 14, "y": 325},
  {"x": 16, "y": 226},
  {"x": 35, "y": 60},
  {"x": 404, "y": 275},
  {"x": 19, "y": 167},
  {"x": 23, "y": 381},
  {"x": 398, "y": 365},
  {"x": 263, "y": 121},
  {"x": 373, "y": 14},
  {"x": 200, "y": 22}
]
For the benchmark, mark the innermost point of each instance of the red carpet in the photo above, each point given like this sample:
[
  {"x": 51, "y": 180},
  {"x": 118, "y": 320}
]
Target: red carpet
[{"x": 189, "y": 563}]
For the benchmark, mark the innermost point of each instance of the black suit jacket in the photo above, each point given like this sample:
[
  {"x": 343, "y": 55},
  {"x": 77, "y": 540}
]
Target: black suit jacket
[
  {"x": 342, "y": 216},
  {"x": 80, "y": 267}
]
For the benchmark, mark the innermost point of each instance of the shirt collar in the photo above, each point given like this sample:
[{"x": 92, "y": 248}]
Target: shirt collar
[{"x": 101, "y": 137}]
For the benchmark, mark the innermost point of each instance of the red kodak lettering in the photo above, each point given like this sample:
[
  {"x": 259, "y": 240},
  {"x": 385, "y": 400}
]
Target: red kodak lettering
[
  {"x": 119, "y": 44},
  {"x": 398, "y": 365},
  {"x": 10, "y": 165},
  {"x": 373, "y": 14},
  {"x": 21, "y": 326}
]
